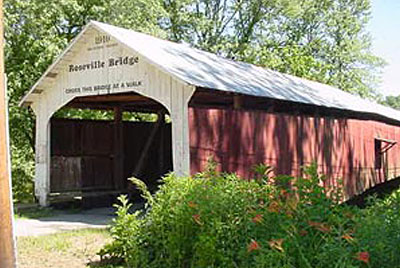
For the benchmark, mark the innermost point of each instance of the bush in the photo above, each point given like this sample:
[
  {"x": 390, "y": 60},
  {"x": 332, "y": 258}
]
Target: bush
[
  {"x": 220, "y": 220},
  {"x": 22, "y": 171},
  {"x": 378, "y": 229}
]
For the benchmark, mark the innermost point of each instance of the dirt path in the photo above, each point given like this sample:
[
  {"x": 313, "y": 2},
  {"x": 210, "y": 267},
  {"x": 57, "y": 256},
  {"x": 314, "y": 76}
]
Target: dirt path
[{"x": 94, "y": 218}]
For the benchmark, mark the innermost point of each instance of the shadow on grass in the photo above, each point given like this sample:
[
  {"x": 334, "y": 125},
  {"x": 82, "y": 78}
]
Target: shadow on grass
[{"x": 34, "y": 212}]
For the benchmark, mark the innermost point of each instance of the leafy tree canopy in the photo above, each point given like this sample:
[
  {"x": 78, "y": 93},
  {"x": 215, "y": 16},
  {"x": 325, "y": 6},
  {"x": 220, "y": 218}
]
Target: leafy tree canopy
[
  {"x": 321, "y": 40},
  {"x": 392, "y": 101}
]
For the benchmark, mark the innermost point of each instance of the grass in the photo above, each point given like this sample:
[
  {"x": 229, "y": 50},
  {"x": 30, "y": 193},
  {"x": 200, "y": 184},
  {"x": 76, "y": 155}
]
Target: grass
[
  {"x": 73, "y": 249},
  {"x": 33, "y": 213},
  {"x": 37, "y": 212}
]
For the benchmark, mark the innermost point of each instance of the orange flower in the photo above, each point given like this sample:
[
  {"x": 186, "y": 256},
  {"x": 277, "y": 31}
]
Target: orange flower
[
  {"x": 320, "y": 226},
  {"x": 253, "y": 246},
  {"x": 276, "y": 244},
  {"x": 257, "y": 218},
  {"x": 313, "y": 223},
  {"x": 347, "y": 237},
  {"x": 274, "y": 207},
  {"x": 284, "y": 194},
  {"x": 196, "y": 218},
  {"x": 289, "y": 213},
  {"x": 303, "y": 233},
  {"x": 363, "y": 256},
  {"x": 324, "y": 228},
  {"x": 192, "y": 204}
]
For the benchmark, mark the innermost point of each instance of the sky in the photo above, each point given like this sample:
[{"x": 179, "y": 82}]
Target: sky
[{"x": 385, "y": 31}]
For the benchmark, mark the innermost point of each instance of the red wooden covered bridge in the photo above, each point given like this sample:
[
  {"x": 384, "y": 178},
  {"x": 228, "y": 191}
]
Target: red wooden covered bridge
[{"x": 237, "y": 113}]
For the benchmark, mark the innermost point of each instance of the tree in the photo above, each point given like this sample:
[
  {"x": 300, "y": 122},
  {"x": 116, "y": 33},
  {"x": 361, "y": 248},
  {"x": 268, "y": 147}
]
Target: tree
[
  {"x": 321, "y": 40},
  {"x": 392, "y": 101}
]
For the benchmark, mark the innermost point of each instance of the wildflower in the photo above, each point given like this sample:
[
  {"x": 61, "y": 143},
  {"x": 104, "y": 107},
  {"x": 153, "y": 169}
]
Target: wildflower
[
  {"x": 284, "y": 194},
  {"x": 196, "y": 218},
  {"x": 363, "y": 256},
  {"x": 276, "y": 244},
  {"x": 257, "y": 218},
  {"x": 253, "y": 246},
  {"x": 289, "y": 213},
  {"x": 313, "y": 223},
  {"x": 192, "y": 204},
  {"x": 324, "y": 228},
  {"x": 347, "y": 237},
  {"x": 303, "y": 232},
  {"x": 274, "y": 207},
  {"x": 320, "y": 226}
]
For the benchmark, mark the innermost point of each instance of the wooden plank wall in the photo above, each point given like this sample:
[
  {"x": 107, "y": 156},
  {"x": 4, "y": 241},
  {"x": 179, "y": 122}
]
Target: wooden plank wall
[
  {"x": 82, "y": 154},
  {"x": 343, "y": 148}
]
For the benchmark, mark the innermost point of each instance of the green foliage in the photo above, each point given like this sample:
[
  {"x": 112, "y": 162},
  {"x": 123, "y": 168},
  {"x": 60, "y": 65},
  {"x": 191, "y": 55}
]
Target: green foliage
[
  {"x": 220, "y": 220},
  {"x": 392, "y": 101},
  {"x": 322, "y": 40},
  {"x": 84, "y": 114},
  {"x": 378, "y": 229}
]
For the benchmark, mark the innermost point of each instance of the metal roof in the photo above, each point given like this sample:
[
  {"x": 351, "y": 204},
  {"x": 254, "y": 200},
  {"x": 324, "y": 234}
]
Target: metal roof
[{"x": 204, "y": 69}]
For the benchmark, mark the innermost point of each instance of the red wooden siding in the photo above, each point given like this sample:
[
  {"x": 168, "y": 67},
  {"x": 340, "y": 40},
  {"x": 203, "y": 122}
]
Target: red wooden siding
[{"x": 343, "y": 148}]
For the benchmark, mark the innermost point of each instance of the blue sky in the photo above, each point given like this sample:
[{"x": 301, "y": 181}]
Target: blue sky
[{"x": 385, "y": 30}]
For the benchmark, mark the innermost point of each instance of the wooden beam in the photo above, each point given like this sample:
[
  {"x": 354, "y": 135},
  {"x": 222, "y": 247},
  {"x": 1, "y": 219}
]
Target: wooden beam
[
  {"x": 118, "y": 149},
  {"x": 112, "y": 98},
  {"x": 237, "y": 102},
  {"x": 146, "y": 147},
  {"x": 110, "y": 107},
  {"x": 7, "y": 244},
  {"x": 161, "y": 164}
]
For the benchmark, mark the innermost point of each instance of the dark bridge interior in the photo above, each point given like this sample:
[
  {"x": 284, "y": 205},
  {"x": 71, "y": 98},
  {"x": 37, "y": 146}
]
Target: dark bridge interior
[{"x": 91, "y": 160}]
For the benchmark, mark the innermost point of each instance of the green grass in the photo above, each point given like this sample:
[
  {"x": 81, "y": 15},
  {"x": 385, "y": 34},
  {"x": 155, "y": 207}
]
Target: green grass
[
  {"x": 72, "y": 249},
  {"x": 41, "y": 212},
  {"x": 33, "y": 213}
]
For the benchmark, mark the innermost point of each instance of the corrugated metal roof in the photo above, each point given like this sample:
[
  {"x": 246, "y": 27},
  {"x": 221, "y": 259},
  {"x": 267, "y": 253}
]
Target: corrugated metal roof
[{"x": 203, "y": 69}]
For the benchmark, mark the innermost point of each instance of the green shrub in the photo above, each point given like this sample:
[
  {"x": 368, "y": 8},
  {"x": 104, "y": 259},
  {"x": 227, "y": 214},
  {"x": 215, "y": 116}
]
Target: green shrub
[
  {"x": 219, "y": 220},
  {"x": 22, "y": 171},
  {"x": 378, "y": 230}
]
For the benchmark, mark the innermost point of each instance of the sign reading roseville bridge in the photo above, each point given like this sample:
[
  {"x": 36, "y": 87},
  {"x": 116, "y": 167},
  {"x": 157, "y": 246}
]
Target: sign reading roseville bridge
[
  {"x": 98, "y": 64},
  {"x": 113, "y": 62},
  {"x": 102, "y": 67}
]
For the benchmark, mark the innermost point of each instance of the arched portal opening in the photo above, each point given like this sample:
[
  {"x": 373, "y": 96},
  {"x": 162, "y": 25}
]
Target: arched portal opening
[{"x": 98, "y": 142}]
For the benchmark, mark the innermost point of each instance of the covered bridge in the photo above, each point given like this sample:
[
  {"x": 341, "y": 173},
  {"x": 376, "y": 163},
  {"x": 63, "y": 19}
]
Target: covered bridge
[{"x": 238, "y": 113}]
